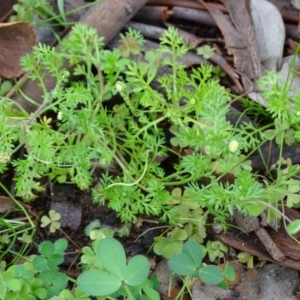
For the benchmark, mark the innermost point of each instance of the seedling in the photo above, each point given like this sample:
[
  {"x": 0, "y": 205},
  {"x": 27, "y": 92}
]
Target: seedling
[
  {"x": 52, "y": 221},
  {"x": 189, "y": 263},
  {"x": 38, "y": 278},
  {"x": 117, "y": 277},
  {"x": 206, "y": 51},
  {"x": 246, "y": 258},
  {"x": 215, "y": 250}
]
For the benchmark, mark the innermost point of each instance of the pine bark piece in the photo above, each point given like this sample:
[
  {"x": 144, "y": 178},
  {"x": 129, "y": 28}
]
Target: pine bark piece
[
  {"x": 252, "y": 224},
  {"x": 6, "y": 204},
  {"x": 284, "y": 242},
  {"x": 108, "y": 17},
  {"x": 239, "y": 36},
  {"x": 270, "y": 245},
  {"x": 251, "y": 244},
  {"x": 16, "y": 40}
]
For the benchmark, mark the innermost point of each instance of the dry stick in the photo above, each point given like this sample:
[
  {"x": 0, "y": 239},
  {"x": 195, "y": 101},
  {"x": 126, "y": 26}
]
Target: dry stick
[
  {"x": 191, "y": 14},
  {"x": 108, "y": 17},
  {"x": 148, "y": 14},
  {"x": 288, "y": 17},
  {"x": 271, "y": 247},
  {"x": 156, "y": 14},
  {"x": 187, "y": 4}
]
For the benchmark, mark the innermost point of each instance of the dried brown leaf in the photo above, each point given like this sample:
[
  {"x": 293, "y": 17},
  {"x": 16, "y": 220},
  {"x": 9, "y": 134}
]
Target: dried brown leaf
[{"x": 16, "y": 40}]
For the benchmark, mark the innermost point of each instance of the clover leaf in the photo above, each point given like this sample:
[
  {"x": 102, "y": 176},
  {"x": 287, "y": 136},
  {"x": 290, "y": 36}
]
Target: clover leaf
[
  {"x": 116, "y": 273},
  {"x": 52, "y": 221}
]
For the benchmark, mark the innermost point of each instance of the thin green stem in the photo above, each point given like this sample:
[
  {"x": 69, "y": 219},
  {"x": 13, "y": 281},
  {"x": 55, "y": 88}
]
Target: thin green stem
[{"x": 128, "y": 291}]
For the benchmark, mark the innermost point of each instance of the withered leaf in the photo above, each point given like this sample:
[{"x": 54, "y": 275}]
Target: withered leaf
[
  {"x": 16, "y": 39},
  {"x": 239, "y": 36}
]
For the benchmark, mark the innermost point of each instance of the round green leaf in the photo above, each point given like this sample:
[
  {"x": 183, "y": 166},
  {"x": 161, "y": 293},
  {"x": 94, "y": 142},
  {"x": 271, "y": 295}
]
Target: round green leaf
[
  {"x": 112, "y": 256},
  {"x": 194, "y": 251},
  {"x": 47, "y": 276},
  {"x": 39, "y": 263},
  {"x": 211, "y": 274},
  {"x": 151, "y": 293},
  {"x": 293, "y": 227},
  {"x": 2, "y": 290},
  {"x": 41, "y": 293},
  {"x": 181, "y": 264},
  {"x": 46, "y": 248},
  {"x": 5, "y": 87},
  {"x": 56, "y": 259},
  {"x": 60, "y": 280},
  {"x": 14, "y": 284},
  {"x": 229, "y": 272},
  {"x": 98, "y": 283},
  {"x": 137, "y": 270},
  {"x": 60, "y": 246},
  {"x": 179, "y": 234}
]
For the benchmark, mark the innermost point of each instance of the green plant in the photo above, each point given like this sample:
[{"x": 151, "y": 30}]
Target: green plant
[
  {"x": 246, "y": 258},
  {"x": 206, "y": 51},
  {"x": 13, "y": 230},
  {"x": 90, "y": 131},
  {"x": 5, "y": 86},
  {"x": 37, "y": 12},
  {"x": 191, "y": 225},
  {"x": 94, "y": 231},
  {"x": 116, "y": 277},
  {"x": 215, "y": 249},
  {"x": 189, "y": 263},
  {"x": 52, "y": 221},
  {"x": 38, "y": 278}
]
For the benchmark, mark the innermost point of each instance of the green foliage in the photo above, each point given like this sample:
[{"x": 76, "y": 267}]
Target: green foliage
[
  {"x": 36, "y": 12},
  {"x": 215, "y": 249},
  {"x": 191, "y": 222},
  {"x": 13, "y": 230},
  {"x": 52, "y": 221},
  {"x": 293, "y": 227},
  {"x": 87, "y": 131},
  {"x": 5, "y": 87},
  {"x": 283, "y": 106},
  {"x": 26, "y": 10},
  {"x": 38, "y": 278},
  {"x": 246, "y": 258},
  {"x": 206, "y": 51},
  {"x": 126, "y": 138},
  {"x": 90, "y": 132},
  {"x": 116, "y": 277},
  {"x": 189, "y": 263}
]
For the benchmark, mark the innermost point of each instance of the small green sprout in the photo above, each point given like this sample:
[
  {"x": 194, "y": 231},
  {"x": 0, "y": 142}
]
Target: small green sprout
[
  {"x": 246, "y": 258},
  {"x": 52, "y": 221},
  {"x": 206, "y": 51}
]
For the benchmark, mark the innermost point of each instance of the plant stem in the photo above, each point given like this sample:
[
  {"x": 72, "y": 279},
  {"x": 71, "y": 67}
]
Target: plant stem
[{"x": 130, "y": 296}]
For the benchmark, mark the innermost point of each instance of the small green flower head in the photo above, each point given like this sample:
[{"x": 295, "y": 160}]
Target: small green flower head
[
  {"x": 4, "y": 157},
  {"x": 59, "y": 116},
  {"x": 192, "y": 101},
  {"x": 120, "y": 86},
  {"x": 298, "y": 113},
  {"x": 233, "y": 146}
]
